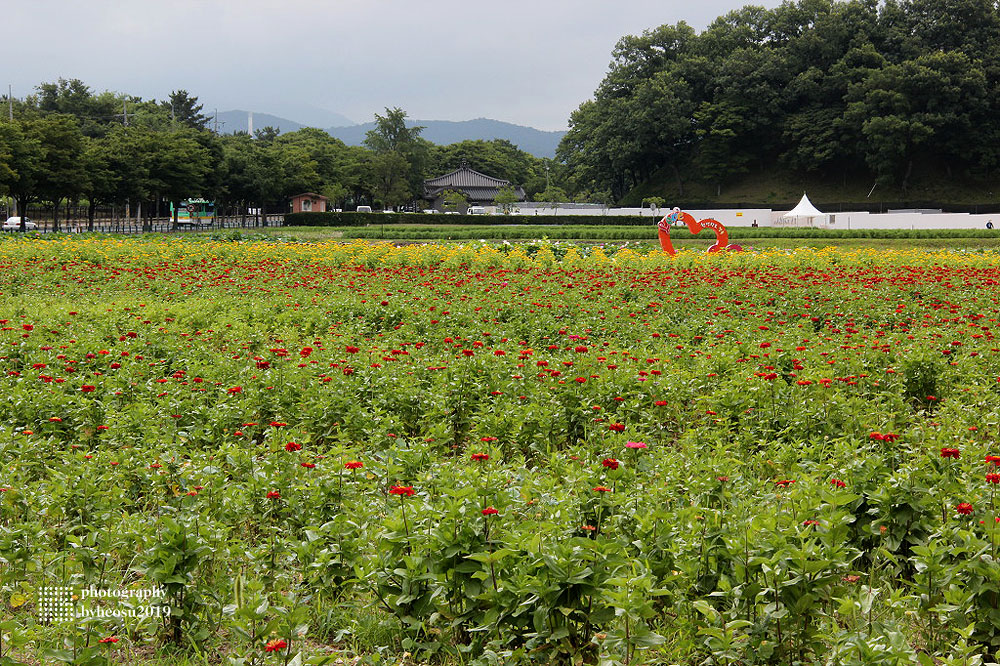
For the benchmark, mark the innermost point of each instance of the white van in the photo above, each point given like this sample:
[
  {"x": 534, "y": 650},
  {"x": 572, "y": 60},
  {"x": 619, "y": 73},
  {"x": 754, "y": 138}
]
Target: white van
[
  {"x": 364, "y": 209},
  {"x": 476, "y": 210}
]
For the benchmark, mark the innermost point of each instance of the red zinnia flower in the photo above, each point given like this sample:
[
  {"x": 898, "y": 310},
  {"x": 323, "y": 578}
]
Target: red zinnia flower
[
  {"x": 401, "y": 490},
  {"x": 87, "y": 388},
  {"x": 308, "y": 465},
  {"x": 275, "y": 645},
  {"x": 293, "y": 446},
  {"x": 109, "y": 639},
  {"x": 490, "y": 511},
  {"x": 617, "y": 427},
  {"x": 479, "y": 457},
  {"x": 354, "y": 464},
  {"x": 838, "y": 483},
  {"x": 964, "y": 508},
  {"x": 808, "y": 523},
  {"x": 784, "y": 483},
  {"x": 273, "y": 494},
  {"x": 949, "y": 453},
  {"x": 610, "y": 463},
  {"x": 993, "y": 478},
  {"x": 236, "y": 389},
  {"x": 602, "y": 489}
]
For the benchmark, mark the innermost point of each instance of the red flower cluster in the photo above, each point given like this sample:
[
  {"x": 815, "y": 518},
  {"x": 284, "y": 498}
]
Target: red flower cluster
[
  {"x": 887, "y": 437},
  {"x": 401, "y": 491},
  {"x": 480, "y": 457},
  {"x": 993, "y": 477},
  {"x": 617, "y": 427},
  {"x": 837, "y": 483},
  {"x": 275, "y": 645},
  {"x": 949, "y": 453},
  {"x": 490, "y": 511},
  {"x": 610, "y": 463},
  {"x": 293, "y": 446},
  {"x": 784, "y": 483},
  {"x": 109, "y": 639},
  {"x": 273, "y": 494},
  {"x": 354, "y": 464}
]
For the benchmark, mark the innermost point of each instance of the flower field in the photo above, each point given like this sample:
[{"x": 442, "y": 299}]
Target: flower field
[{"x": 471, "y": 454}]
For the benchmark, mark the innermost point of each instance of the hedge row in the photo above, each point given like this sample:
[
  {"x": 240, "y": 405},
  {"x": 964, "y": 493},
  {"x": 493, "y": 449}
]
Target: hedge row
[{"x": 352, "y": 219}]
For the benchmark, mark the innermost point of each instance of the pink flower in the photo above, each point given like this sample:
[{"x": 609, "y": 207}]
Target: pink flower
[{"x": 635, "y": 445}]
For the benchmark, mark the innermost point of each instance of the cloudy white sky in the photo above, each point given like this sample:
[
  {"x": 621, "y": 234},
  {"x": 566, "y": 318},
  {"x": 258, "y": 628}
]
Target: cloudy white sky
[{"x": 520, "y": 61}]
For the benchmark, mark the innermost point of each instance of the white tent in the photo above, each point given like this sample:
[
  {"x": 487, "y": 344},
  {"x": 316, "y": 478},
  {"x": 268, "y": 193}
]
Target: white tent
[{"x": 804, "y": 211}]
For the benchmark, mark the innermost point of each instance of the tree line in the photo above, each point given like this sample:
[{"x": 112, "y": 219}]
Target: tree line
[
  {"x": 67, "y": 143},
  {"x": 856, "y": 89}
]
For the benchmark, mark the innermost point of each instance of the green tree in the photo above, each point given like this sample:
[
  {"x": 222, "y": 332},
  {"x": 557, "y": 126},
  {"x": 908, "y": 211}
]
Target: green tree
[
  {"x": 552, "y": 197},
  {"x": 452, "y": 200},
  {"x": 22, "y": 167},
  {"x": 392, "y": 136},
  {"x": 506, "y": 198},
  {"x": 62, "y": 174},
  {"x": 178, "y": 166},
  {"x": 95, "y": 114},
  {"x": 185, "y": 109}
]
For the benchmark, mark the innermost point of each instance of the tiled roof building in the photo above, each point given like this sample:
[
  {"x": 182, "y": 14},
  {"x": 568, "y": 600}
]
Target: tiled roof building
[{"x": 478, "y": 188}]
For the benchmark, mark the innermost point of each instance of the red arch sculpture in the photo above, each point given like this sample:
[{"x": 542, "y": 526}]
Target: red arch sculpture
[{"x": 696, "y": 227}]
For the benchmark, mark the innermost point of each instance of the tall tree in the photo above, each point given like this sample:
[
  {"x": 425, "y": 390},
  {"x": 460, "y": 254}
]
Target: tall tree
[
  {"x": 391, "y": 135},
  {"x": 21, "y": 168},
  {"x": 62, "y": 174},
  {"x": 184, "y": 109}
]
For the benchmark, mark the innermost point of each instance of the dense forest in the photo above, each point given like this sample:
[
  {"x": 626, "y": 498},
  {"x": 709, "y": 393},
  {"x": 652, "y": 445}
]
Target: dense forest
[
  {"x": 68, "y": 144},
  {"x": 887, "y": 93}
]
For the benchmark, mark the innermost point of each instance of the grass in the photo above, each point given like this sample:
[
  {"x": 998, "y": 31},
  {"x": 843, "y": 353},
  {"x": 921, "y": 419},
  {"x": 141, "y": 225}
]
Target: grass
[{"x": 758, "y": 238}]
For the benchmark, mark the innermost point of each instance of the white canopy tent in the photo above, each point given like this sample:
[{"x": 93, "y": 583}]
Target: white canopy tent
[{"x": 804, "y": 211}]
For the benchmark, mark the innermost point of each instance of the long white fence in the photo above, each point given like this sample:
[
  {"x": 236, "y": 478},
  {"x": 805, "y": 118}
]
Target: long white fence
[{"x": 766, "y": 217}]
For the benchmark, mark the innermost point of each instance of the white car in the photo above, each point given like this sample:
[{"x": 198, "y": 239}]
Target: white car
[{"x": 14, "y": 224}]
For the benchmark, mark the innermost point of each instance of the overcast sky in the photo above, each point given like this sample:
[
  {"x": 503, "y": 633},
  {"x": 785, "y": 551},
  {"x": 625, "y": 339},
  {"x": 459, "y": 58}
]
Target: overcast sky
[{"x": 526, "y": 62}]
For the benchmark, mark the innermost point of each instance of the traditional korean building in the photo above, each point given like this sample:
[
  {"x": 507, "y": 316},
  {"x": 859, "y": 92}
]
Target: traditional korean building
[{"x": 478, "y": 188}]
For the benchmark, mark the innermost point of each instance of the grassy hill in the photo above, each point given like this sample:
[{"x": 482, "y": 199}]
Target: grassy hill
[{"x": 781, "y": 188}]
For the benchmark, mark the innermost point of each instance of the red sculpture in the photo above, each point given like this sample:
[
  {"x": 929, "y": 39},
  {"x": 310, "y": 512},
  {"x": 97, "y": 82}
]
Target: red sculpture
[{"x": 677, "y": 215}]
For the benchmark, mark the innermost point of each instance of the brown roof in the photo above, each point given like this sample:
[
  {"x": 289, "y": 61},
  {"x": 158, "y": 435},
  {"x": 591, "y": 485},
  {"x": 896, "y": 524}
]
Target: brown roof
[{"x": 311, "y": 195}]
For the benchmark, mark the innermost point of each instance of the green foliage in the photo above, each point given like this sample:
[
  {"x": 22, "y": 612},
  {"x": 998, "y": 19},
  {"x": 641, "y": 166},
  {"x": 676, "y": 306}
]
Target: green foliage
[
  {"x": 452, "y": 200},
  {"x": 841, "y": 89},
  {"x": 506, "y": 199}
]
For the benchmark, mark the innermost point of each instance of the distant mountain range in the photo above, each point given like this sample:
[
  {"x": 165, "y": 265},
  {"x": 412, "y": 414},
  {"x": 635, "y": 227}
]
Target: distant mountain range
[{"x": 539, "y": 143}]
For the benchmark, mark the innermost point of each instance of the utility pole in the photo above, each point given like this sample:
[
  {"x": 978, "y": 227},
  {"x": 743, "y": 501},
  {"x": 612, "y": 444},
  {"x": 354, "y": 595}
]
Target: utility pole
[
  {"x": 124, "y": 114},
  {"x": 10, "y": 103}
]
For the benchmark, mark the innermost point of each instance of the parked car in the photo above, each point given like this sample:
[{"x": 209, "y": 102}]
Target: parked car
[
  {"x": 476, "y": 210},
  {"x": 14, "y": 224},
  {"x": 364, "y": 209}
]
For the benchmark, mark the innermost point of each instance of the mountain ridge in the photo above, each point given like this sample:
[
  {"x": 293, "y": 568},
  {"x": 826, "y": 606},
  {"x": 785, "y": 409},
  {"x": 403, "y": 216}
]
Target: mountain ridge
[{"x": 540, "y": 143}]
